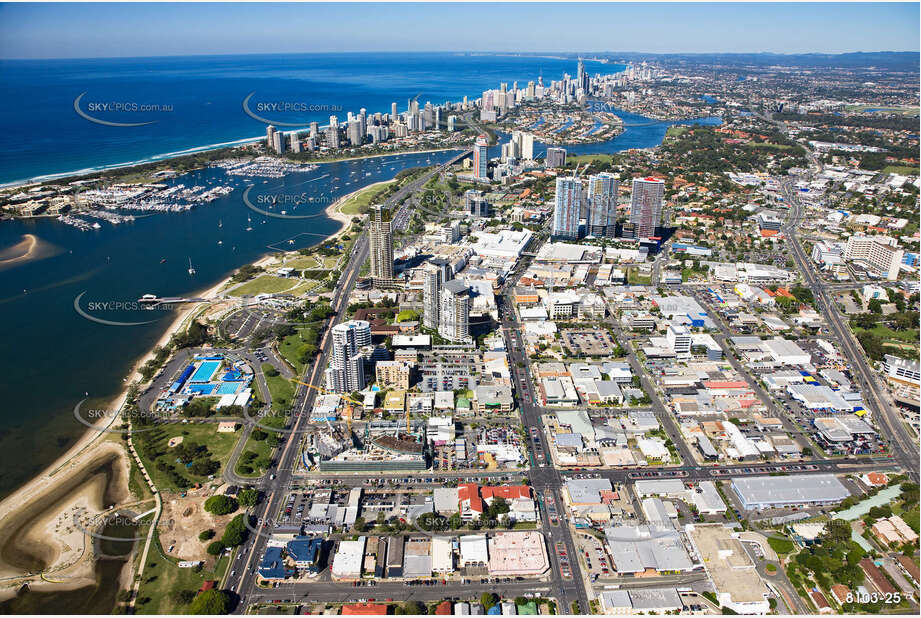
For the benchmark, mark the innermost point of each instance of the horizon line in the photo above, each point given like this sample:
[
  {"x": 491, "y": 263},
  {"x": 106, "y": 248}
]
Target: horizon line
[{"x": 466, "y": 52}]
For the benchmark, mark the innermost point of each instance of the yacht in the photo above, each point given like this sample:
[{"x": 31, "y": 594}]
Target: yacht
[{"x": 191, "y": 269}]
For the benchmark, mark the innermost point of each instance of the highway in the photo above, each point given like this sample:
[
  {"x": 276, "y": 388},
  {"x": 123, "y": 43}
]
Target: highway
[
  {"x": 903, "y": 441},
  {"x": 242, "y": 578}
]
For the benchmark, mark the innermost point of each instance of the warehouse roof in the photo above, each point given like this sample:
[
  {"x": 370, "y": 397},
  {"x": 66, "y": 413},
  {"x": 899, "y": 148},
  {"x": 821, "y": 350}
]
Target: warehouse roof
[{"x": 797, "y": 489}]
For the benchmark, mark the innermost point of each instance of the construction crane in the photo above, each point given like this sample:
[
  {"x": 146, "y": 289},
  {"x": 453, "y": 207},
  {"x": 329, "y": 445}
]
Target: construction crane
[{"x": 348, "y": 409}]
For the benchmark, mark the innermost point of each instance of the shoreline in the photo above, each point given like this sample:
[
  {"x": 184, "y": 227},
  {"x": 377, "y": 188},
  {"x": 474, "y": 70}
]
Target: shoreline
[
  {"x": 89, "y": 171},
  {"x": 92, "y": 444}
]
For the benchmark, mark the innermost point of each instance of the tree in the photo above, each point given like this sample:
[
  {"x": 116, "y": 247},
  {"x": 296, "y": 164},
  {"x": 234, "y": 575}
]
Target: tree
[
  {"x": 248, "y": 497},
  {"x": 413, "y": 608},
  {"x": 235, "y": 532},
  {"x": 186, "y": 596},
  {"x": 211, "y": 602},
  {"x": 220, "y": 505},
  {"x": 215, "y": 548},
  {"x": 206, "y": 535},
  {"x": 488, "y": 599}
]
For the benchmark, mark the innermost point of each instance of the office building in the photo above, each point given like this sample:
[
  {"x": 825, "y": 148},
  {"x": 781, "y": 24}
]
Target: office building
[
  {"x": 435, "y": 273},
  {"x": 679, "y": 339},
  {"x": 646, "y": 206},
  {"x": 601, "y": 201},
  {"x": 381, "y": 236},
  {"x": 454, "y": 311},
  {"x": 568, "y": 207},
  {"x": 480, "y": 160},
  {"x": 556, "y": 157},
  {"x": 346, "y": 372}
]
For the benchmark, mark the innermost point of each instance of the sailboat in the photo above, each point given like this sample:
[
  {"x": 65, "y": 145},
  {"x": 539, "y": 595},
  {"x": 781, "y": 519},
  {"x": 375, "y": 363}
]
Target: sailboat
[
  {"x": 249, "y": 227},
  {"x": 191, "y": 270}
]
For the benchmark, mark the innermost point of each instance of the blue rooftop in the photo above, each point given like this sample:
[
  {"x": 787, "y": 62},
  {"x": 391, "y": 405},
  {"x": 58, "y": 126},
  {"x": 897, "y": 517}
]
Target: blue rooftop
[
  {"x": 304, "y": 549},
  {"x": 272, "y": 566}
]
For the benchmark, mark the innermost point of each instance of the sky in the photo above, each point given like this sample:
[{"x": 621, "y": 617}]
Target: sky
[{"x": 126, "y": 30}]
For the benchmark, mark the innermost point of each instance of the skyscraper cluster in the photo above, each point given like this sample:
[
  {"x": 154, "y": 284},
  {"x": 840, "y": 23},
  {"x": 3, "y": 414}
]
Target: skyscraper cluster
[
  {"x": 346, "y": 372},
  {"x": 521, "y": 146},
  {"x": 589, "y": 207},
  {"x": 445, "y": 301},
  {"x": 593, "y": 201}
]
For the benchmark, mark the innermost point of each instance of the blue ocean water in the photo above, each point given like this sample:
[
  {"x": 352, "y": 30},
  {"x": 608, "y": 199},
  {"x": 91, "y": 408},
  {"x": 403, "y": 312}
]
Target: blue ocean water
[{"x": 41, "y": 133}]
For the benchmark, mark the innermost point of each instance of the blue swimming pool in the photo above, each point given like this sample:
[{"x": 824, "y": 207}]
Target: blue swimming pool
[
  {"x": 205, "y": 371},
  {"x": 227, "y": 388},
  {"x": 201, "y": 389}
]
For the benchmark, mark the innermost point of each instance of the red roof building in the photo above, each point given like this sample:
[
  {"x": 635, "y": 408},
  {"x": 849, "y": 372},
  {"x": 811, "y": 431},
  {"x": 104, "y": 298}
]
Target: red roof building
[
  {"x": 364, "y": 609},
  {"x": 509, "y": 492}
]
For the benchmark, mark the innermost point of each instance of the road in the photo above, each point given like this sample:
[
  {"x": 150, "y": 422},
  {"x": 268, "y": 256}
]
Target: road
[
  {"x": 903, "y": 441},
  {"x": 242, "y": 580}
]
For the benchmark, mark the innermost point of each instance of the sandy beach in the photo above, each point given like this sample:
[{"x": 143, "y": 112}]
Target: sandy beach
[{"x": 40, "y": 509}]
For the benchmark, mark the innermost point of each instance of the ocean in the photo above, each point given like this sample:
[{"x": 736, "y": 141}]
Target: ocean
[
  {"x": 54, "y": 357},
  {"x": 201, "y": 99}
]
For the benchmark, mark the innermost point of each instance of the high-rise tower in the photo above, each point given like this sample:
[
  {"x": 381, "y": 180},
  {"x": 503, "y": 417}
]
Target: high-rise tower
[
  {"x": 646, "y": 206},
  {"x": 381, "y": 236}
]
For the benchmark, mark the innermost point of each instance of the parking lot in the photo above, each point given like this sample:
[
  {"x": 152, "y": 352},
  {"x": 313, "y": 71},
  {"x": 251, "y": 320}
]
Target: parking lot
[{"x": 588, "y": 342}]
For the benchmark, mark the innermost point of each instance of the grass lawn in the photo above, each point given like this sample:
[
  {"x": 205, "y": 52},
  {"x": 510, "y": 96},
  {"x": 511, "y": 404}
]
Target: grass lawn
[
  {"x": 691, "y": 273},
  {"x": 907, "y": 110},
  {"x": 887, "y": 334},
  {"x": 265, "y": 284},
  {"x": 781, "y": 546},
  {"x": 289, "y": 348},
  {"x": 219, "y": 446},
  {"x": 280, "y": 389},
  {"x": 904, "y": 170},
  {"x": 635, "y": 278},
  {"x": 768, "y": 145},
  {"x": 312, "y": 262},
  {"x": 358, "y": 203},
  {"x": 163, "y": 581},
  {"x": 604, "y": 158},
  {"x": 675, "y": 131},
  {"x": 255, "y": 465}
]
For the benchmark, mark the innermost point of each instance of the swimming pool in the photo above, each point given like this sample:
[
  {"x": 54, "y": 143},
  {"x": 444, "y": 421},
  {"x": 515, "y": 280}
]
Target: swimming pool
[
  {"x": 201, "y": 389},
  {"x": 227, "y": 388},
  {"x": 205, "y": 371}
]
